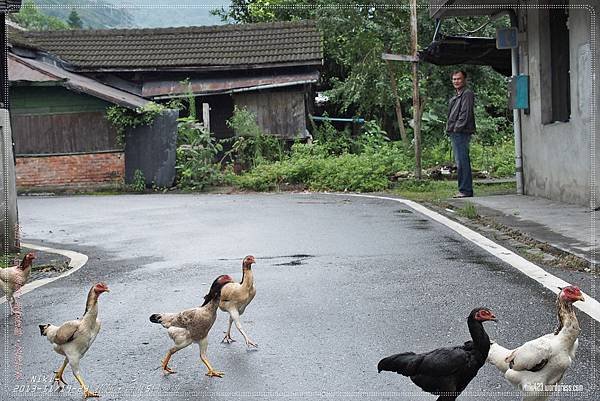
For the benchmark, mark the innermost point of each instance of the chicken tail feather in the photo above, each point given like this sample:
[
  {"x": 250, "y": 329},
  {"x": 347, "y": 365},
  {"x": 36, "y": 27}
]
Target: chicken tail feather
[
  {"x": 406, "y": 364},
  {"x": 155, "y": 318},
  {"x": 165, "y": 319},
  {"x": 43, "y": 328}
]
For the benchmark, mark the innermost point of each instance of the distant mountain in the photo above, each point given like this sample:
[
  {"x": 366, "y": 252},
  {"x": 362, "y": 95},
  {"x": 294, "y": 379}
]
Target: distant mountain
[
  {"x": 93, "y": 14},
  {"x": 162, "y": 13},
  {"x": 101, "y": 14}
]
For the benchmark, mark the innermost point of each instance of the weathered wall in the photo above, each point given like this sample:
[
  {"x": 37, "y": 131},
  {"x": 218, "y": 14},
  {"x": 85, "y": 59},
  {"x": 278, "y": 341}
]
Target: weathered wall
[
  {"x": 71, "y": 171},
  {"x": 153, "y": 150},
  {"x": 54, "y": 120},
  {"x": 280, "y": 113},
  {"x": 557, "y": 157}
]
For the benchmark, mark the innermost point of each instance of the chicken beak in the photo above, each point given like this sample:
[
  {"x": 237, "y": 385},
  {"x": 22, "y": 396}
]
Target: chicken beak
[{"x": 581, "y": 298}]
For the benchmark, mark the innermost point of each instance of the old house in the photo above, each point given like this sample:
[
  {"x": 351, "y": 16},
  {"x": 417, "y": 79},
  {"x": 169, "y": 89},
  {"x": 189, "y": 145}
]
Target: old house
[
  {"x": 61, "y": 135},
  {"x": 557, "y": 130},
  {"x": 269, "y": 68}
]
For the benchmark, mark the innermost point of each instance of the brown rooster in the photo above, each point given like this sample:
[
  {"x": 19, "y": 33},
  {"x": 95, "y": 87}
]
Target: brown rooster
[
  {"x": 193, "y": 325},
  {"x": 73, "y": 338},
  {"x": 15, "y": 277},
  {"x": 235, "y": 297}
]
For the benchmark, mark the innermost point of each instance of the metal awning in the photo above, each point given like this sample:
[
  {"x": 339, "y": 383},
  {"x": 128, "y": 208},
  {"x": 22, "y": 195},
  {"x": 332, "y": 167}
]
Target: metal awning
[
  {"x": 452, "y": 50},
  {"x": 216, "y": 86},
  {"x": 22, "y": 69}
]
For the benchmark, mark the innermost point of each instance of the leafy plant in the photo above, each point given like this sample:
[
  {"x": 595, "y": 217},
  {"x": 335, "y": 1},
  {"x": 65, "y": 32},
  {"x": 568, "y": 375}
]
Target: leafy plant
[
  {"x": 251, "y": 146},
  {"x": 196, "y": 153},
  {"x": 123, "y": 118},
  {"x": 139, "y": 181},
  {"x": 332, "y": 141}
]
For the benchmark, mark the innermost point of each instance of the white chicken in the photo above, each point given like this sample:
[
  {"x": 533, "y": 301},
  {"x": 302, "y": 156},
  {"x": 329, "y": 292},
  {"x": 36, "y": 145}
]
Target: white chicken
[
  {"x": 14, "y": 278},
  {"x": 73, "y": 338},
  {"x": 537, "y": 365}
]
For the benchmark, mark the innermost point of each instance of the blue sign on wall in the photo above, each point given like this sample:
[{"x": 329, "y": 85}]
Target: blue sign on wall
[{"x": 519, "y": 92}]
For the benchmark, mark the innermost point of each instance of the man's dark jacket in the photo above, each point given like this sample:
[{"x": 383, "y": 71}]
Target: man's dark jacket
[{"x": 461, "y": 117}]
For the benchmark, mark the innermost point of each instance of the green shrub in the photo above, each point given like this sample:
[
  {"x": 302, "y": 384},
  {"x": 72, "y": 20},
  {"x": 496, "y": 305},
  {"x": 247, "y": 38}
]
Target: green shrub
[
  {"x": 332, "y": 141},
  {"x": 335, "y": 161},
  {"x": 123, "y": 118},
  {"x": 139, "y": 181},
  {"x": 251, "y": 146},
  {"x": 196, "y": 153},
  {"x": 497, "y": 159}
]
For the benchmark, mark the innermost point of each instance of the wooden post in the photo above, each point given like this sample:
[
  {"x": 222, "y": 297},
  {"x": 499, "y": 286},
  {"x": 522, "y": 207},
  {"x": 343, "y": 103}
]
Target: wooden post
[
  {"x": 397, "y": 101},
  {"x": 415, "y": 78},
  {"x": 417, "y": 101},
  {"x": 206, "y": 115}
]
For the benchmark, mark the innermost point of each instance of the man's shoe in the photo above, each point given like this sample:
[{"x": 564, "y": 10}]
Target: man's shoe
[{"x": 463, "y": 195}]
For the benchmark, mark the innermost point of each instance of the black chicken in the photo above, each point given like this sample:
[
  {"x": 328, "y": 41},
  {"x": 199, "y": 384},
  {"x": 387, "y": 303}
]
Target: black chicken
[{"x": 446, "y": 371}]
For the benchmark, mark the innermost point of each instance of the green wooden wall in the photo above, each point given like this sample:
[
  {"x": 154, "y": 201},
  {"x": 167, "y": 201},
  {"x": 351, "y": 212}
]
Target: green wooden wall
[{"x": 39, "y": 100}]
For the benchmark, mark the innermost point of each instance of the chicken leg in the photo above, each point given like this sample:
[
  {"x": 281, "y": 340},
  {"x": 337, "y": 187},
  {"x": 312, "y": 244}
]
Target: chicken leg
[
  {"x": 58, "y": 375},
  {"x": 228, "y": 339},
  {"x": 181, "y": 338},
  {"x": 74, "y": 362},
  {"x": 211, "y": 372},
  {"x": 86, "y": 391},
  {"x": 233, "y": 314}
]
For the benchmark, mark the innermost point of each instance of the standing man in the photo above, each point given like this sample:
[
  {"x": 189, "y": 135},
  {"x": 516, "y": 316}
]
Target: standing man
[{"x": 460, "y": 127}]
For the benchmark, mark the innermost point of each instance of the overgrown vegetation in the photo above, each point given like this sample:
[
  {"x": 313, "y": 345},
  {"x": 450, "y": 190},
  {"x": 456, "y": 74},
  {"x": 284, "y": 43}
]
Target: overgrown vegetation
[
  {"x": 468, "y": 210},
  {"x": 197, "y": 150},
  {"x": 366, "y": 163},
  {"x": 138, "y": 183},
  {"x": 250, "y": 146},
  {"x": 123, "y": 118}
]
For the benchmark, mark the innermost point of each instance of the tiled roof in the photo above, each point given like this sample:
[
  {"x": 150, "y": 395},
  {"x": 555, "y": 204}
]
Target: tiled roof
[{"x": 224, "y": 46}]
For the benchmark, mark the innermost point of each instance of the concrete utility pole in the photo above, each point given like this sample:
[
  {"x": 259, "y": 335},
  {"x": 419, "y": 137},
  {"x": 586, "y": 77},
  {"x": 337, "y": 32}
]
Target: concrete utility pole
[
  {"x": 417, "y": 104},
  {"x": 9, "y": 238}
]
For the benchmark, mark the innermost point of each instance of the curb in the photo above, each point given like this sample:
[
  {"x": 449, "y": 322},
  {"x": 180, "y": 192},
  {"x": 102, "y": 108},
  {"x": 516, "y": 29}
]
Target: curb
[{"x": 78, "y": 260}]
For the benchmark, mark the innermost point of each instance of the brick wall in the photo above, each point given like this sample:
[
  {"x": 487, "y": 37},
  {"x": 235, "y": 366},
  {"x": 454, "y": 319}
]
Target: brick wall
[{"x": 71, "y": 171}]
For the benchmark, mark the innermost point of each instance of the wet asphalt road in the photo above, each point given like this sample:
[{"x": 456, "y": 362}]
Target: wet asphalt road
[{"x": 341, "y": 282}]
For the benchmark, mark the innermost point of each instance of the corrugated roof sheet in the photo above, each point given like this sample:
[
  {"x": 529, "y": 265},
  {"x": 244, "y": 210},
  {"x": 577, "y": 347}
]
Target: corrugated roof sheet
[
  {"x": 23, "y": 69},
  {"x": 211, "y": 86},
  {"x": 224, "y": 46}
]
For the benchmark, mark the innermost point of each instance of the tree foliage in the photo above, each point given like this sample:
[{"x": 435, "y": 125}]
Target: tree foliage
[
  {"x": 30, "y": 17},
  {"x": 74, "y": 21},
  {"x": 356, "y": 78}
]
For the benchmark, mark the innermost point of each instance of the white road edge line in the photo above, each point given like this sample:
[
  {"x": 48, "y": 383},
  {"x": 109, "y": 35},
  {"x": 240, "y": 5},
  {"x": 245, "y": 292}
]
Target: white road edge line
[
  {"x": 590, "y": 307},
  {"x": 78, "y": 260}
]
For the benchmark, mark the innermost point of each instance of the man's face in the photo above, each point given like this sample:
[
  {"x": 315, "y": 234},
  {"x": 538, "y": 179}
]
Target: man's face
[{"x": 458, "y": 81}]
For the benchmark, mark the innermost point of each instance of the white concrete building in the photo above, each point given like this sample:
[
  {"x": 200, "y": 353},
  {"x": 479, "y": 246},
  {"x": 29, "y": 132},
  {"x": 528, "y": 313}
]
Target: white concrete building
[{"x": 560, "y": 132}]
